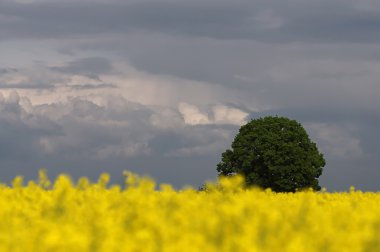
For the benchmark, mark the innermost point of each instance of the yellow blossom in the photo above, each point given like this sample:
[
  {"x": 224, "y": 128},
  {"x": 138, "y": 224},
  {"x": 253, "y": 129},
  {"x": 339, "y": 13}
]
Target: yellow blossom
[{"x": 140, "y": 216}]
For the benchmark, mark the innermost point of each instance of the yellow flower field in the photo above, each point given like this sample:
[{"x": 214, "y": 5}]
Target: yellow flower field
[{"x": 67, "y": 216}]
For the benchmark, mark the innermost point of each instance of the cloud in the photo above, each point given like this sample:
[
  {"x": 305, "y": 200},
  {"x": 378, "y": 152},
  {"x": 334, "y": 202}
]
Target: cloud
[
  {"x": 33, "y": 78},
  {"x": 82, "y": 134},
  {"x": 166, "y": 84},
  {"x": 192, "y": 115},
  {"x": 26, "y": 86},
  {"x": 271, "y": 21},
  {"x": 167, "y": 119},
  {"x": 79, "y": 128},
  {"x": 89, "y": 67},
  {"x": 198, "y": 150},
  {"x": 92, "y": 86},
  {"x": 7, "y": 70},
  {"x": 21, "y": 130},
  {"x": 268, "y": 20},
  {"x": 336, "y": 140},
  {"x": 221, "y": 114},
  {"x": 226, "y": 115}
]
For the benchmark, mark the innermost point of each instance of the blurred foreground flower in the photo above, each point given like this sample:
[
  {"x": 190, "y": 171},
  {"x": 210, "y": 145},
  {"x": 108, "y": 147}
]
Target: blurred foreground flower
[{"x": 62, "y": 215}]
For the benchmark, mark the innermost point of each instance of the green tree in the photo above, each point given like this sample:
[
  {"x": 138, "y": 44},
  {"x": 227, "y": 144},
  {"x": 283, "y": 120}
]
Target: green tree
[{"x": 274, "y": 152}]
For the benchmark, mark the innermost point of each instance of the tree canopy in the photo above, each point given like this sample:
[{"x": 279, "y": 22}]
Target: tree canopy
[{"x": 274, "y": 152}]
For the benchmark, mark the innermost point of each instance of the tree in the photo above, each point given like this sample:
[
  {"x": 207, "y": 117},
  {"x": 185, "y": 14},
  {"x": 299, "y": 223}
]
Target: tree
[{"x": 274, "y": 152}]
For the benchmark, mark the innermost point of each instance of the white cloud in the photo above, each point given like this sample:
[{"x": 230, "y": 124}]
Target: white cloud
[
  {"x": 226, "y": 115},
  {"x": 192, "y": 115},
  {"x": 44, "y": 86},
  {"x": 221, "y": 114}
]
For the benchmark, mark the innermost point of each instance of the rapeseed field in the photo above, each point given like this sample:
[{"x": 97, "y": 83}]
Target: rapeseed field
[{"x": 83, "y": 216}]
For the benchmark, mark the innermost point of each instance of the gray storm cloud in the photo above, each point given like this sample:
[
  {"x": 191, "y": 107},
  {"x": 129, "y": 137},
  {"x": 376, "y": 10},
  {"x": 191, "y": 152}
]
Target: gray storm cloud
[
  {"x": 163, "y": 86},
  {"x": 290, "y": 20},
  {"x": 80, "y": 129}
]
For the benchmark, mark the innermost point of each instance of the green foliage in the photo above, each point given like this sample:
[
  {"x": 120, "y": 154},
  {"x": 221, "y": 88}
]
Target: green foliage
[{"x": 276, "y": 153}]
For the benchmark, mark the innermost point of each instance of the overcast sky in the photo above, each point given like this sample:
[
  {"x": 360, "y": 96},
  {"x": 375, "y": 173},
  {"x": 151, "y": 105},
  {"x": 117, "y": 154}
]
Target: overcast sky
[{"x": 161, "y": 87}]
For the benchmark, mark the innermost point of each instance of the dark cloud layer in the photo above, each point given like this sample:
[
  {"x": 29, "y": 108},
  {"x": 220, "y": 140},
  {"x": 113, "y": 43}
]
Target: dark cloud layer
[
  {"x": 318, "y": 21},
  {"x": 313, "y": 61}
]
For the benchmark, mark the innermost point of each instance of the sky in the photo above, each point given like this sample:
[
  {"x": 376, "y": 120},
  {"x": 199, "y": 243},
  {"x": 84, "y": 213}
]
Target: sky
[{"x": 161, "y": 87}]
